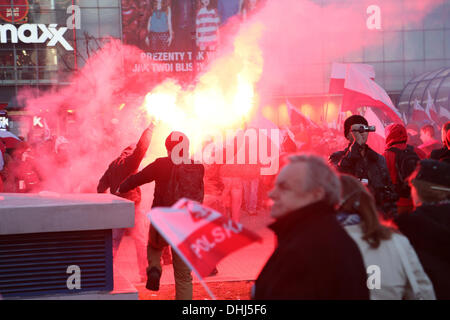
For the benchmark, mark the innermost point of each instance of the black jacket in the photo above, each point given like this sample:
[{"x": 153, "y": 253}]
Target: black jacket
[
  {"x": 442, "y": 154},
  {"x": 315, "y": 259},
  {"x": 371, "y": 167},
  {"x": 125, "y": 165},
  {"x": 428, "y": 230},
  {"x": 159, "y": 171}
]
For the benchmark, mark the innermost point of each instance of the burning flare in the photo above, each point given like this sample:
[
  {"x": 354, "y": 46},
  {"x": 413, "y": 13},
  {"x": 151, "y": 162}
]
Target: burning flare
[{"x": 223, "y": 98}]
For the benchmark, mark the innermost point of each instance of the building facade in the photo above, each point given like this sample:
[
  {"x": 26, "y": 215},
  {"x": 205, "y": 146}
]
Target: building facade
[
  {"x": 37, "y": 63},
  {"x": 404, "y": 50}
]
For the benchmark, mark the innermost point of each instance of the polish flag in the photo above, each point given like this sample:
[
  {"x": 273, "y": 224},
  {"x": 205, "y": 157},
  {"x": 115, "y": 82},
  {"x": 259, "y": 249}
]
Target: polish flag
[
  {"x": 431, "y": 110},
  {"x": 338, "y": 75},
  {"x": 375, "y": 140},
  {"x": 419, "y": 113},
  {"x": 297, "y": 118},
  {"x": 201, "y": 236},
  {"x": 360, "y": 91},
  {"x": 9, "y": 139}
]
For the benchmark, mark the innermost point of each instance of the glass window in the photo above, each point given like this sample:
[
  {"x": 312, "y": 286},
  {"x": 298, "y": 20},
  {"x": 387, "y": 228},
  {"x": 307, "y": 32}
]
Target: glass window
[
  {"x": 435, "y": 67},
  {"x": 375, "y": 52},
  {"x": 89, "y": 23},
  {"x": 414, "y": 48},
  {"x": 44, "y": 4},
  {"x": 6, "y": 58},
  {"x": 447, "y": 43},
  {"x": 26, "y": 57},
  {"x": 433, "y": 87},
  {"x": 434, "y": 44},
  {"x": 418, "y": 92},
  {"x": 393, "y": 75},
  {"x": 393, "y": 46},
  {"x": 88, "y": 3},
  {"x": 355, "y": 56},
  {"x": 26, "y": 73},
  {"x": 6, "y": 93},
  {"x": 108, "y": 3},
  {"x": 404, "y": 98},
  {"x": 414, "y": 70},
  {"x": 443, "y": 93},
  {"x": 47, "y": 57},
  {"x": 446, "y": 10},
  {"x": 109, "y": 23},
  {"x": 435, "y": 19}
]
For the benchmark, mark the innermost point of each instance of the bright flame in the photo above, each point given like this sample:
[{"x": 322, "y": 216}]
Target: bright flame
[{"x": 223, "y": 98}]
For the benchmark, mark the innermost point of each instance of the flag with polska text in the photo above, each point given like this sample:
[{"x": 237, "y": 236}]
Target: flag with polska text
[{"x": 200, "y": 235}]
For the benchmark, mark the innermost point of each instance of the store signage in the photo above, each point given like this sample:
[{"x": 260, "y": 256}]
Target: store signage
[
  {"x": 16, "y": 13},
  {"x": 29, "y": 33}
]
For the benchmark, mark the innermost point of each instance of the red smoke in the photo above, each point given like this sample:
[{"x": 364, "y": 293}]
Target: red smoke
[{"x": 299, "y": 41}]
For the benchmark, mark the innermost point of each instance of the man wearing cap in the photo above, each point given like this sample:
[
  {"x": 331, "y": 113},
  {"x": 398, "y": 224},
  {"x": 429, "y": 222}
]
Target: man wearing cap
[
  {"x": 359, "y": 160},
  {"x": 430, "y": 143},
  {"x": 428, "y": 227}
]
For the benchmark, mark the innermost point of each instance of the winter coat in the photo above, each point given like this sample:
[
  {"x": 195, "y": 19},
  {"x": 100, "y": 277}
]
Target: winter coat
[
  {"x": 315, "y": 259},
  {"x": 428, "y": 230},
  {"x": 159, "y": 171},
  {"x": 371, "y": 167},
  {"x": 442, "y": 154},
  {"x": 397, "y": 137},
  {"x": 394, "y": 280},
  {"x": 125, "y": 165},
  {"x": 430, "y": 146}
]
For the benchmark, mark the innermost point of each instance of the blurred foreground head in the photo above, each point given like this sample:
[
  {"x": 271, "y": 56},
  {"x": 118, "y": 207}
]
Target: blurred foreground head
[
  {"x": 305, "y": 180},
  {"x": 430, "y": 182}
]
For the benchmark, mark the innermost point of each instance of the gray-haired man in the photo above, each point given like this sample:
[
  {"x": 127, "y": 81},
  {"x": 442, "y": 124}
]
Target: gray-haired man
[{"x": 315, "y": 258}]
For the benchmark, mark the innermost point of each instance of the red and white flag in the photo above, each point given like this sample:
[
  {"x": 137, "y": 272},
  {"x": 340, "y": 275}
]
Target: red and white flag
[
  {"x": 419, "y": 113},
  {"x": 360, "y": 90},
  {"x": 377, "y": 139},
  {"x": 298, "y": 119},
  {"x": 9, "y": 139},
  {"x": 339, "y": 72},
  {"x": 201, "y": 236}
]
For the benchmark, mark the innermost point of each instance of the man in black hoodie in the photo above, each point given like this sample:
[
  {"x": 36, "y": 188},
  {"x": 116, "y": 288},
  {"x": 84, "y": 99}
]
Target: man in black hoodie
[
  {"x": 121, "y": 168},
  {"x": 162, "y": 172},
  {"x": 315, "y": 257}
]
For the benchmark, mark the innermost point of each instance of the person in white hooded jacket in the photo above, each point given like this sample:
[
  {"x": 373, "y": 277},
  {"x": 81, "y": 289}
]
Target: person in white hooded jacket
[{"x": 394, "y": 270}]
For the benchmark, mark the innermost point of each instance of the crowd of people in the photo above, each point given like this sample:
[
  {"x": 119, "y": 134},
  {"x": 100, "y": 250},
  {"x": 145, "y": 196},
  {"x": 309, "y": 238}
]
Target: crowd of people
[
  {"x": 364, "y": 226},
  {"x": 334, "y": 221}
]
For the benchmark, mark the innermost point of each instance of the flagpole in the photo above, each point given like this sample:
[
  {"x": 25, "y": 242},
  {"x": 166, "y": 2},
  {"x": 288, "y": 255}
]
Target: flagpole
[{"x": 174, "y": 247}]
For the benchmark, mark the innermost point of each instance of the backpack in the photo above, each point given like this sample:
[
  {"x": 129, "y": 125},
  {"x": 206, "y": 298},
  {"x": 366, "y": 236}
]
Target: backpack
[
  {"x": 186, "y": 181},
  {"x": 405, "y": 163}
]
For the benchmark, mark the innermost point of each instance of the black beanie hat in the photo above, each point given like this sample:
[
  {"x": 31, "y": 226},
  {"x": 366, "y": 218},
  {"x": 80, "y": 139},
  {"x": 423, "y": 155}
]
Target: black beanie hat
[
  {"x": 433, "y": 171},
  {"x": 354, "y": 119}
]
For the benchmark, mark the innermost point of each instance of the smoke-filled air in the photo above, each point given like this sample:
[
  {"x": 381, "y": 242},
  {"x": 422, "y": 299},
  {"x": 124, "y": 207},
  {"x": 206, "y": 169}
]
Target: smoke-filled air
[{"x": 282, "y": 45}]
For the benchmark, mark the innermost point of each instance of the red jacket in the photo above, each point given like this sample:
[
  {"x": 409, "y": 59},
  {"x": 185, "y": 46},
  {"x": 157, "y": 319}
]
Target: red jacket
[{"x": 397, "y": 137}]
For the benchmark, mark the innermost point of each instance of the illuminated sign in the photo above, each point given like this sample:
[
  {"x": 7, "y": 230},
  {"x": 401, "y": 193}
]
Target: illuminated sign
[{"x": 29, "y": 33}]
